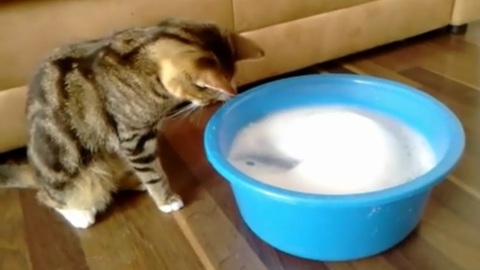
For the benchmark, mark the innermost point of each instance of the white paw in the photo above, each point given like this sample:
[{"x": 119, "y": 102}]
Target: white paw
[
  {"x": 175, "y": 203},
  {"x": 81, "y": 219}
]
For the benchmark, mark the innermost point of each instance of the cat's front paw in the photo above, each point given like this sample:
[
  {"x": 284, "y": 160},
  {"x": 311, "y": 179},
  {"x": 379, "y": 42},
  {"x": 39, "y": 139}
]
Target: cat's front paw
[{"x": 173, "y": 203}]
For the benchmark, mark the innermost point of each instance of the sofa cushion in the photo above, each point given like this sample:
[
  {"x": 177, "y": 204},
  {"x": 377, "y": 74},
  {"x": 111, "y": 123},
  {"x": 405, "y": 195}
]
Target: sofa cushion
[
  {"x": 31, "y": 29},
  {"x": 465, "y": 11},
  {"x": 253, "y": 14},
  {"x": 304, "y": 42},
  {"x": 12, "y": 119}
]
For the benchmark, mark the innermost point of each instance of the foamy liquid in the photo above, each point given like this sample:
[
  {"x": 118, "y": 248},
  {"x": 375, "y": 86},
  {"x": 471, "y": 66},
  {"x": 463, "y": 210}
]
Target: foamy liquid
[{"x": 331, "y": 150}]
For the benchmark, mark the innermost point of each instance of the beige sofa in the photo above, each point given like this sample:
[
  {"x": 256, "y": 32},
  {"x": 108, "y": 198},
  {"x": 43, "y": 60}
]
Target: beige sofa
[{"x": 293, "y": 33}]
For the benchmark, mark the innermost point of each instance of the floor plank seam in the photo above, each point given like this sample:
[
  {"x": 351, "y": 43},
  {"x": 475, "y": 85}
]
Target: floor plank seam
[
  {"x": 194, "y": 242},
  {"x": 468, "y": 189},
  {"x": 466, "y": 84}
]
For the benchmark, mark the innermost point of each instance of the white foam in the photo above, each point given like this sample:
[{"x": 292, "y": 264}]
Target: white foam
[{"x": 331, "y": 150}]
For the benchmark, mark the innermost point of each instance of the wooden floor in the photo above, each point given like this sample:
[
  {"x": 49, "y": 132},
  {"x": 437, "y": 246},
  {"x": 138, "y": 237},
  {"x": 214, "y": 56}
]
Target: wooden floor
[{"x": 209, "y": 234}]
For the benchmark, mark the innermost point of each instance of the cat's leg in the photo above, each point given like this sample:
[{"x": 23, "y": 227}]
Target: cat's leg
[
  {"x": 125, "y": 178},
  {"x": 80, "y": 198},
  {"x": 56, "y": 199},
  {"x": 140, "y": 149},
  {"x": 66, "y": 202},
  {"x": 130, "y": 182}
]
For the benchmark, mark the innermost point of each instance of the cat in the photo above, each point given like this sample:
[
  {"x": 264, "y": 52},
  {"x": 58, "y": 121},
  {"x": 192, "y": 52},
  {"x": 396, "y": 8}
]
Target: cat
[{"x": 94, "y": 109}]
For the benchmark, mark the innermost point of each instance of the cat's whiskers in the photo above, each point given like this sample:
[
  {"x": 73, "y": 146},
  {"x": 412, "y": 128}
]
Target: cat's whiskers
[
  {"x": 185, "y": 111},
  {"x": 191, "y": 111}
]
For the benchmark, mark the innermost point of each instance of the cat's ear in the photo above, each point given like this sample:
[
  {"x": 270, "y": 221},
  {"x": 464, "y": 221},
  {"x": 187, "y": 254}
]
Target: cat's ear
[
  {"x": 215, "y": 79},
  {"x": 245, "y": 48}
]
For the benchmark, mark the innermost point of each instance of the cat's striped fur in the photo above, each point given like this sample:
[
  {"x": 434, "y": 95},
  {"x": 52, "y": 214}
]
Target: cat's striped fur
[{"x": 94, "y": 109}]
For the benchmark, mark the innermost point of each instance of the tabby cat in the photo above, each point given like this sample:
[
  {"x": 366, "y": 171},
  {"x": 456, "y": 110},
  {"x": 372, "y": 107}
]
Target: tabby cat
[{"x": 94, "y": 109}]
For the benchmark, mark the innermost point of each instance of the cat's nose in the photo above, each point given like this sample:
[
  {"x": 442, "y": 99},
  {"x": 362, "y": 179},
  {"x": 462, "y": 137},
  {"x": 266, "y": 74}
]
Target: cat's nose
[
  {"x": 225, "y": 97},
  {"x": 234, "y": 84}
]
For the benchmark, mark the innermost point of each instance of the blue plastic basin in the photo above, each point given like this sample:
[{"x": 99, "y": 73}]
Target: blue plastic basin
[{"x": 334, "y": 227}]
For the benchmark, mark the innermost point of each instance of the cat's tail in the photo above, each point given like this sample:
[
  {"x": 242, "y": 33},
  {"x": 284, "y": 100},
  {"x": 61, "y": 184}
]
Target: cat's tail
[{"x": 16, "y": 176}]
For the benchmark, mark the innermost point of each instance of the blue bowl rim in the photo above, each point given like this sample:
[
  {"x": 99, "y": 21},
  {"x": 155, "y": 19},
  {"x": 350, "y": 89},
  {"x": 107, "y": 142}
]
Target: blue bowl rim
[{"x": 422, "y": 183}]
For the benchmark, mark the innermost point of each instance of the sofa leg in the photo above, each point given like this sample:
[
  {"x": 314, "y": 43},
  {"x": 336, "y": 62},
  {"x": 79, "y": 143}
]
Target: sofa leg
[{"x": 457, "y": 29}]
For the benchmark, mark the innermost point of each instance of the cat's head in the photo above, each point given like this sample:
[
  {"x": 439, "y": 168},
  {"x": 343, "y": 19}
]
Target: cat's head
[{"x": 196, "y": 60}]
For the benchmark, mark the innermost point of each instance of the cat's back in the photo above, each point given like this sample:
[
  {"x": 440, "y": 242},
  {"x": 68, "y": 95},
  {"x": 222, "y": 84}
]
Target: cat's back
[
  {"x": 63, "y": 94},
  {"x": 77, "y": 50},
  {"x": 54, "y": 72},
  {"x": 72, "y": 67}
]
